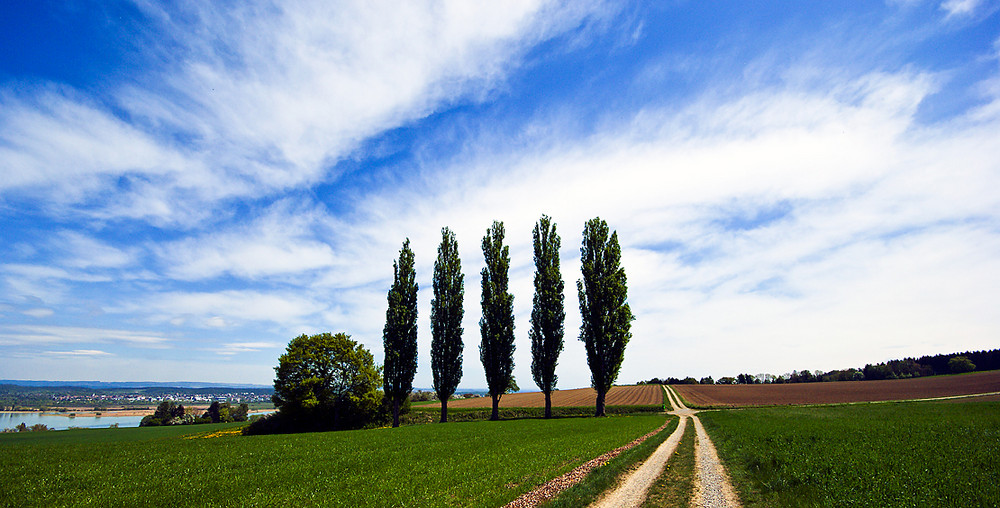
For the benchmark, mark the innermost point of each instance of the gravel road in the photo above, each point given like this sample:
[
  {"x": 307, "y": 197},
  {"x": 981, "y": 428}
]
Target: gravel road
[
  {"x": 553, "y": 487},
  {"x": 632, "y": 491},
  {"x": 712, "y": 486}
]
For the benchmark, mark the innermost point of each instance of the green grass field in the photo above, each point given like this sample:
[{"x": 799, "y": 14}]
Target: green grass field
[
  {"x": 456, "y": 464},
  {"x": 605, "y": 477},
  {"x": 893, "y": 454},
  {"x": 421, "y": 414}
]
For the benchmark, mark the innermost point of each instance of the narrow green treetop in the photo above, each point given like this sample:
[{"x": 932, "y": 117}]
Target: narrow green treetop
[
  {"x": 547, "y": 311},
  {"x": 399, "y": 336},
  {"x": 606, "y": 316},
  {"x": 446, "y": 320},
  {"x": 496, "y": 350}
]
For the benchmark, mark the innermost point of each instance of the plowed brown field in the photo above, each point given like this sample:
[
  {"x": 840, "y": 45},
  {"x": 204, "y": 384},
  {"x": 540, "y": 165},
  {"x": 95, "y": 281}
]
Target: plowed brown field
[
  {"x": 839, "y": 392},
  {"x": 617, "y": 396}
]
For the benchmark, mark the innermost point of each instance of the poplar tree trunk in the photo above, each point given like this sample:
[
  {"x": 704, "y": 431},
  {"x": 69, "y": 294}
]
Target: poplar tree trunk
[
  {"x": 496, "y": 408},
  {"x": 444, "y": 411},
  {"x": 395, "y": 412},
  {"x": 548, "y": 404},
  {"x": 600, "y": 403}
]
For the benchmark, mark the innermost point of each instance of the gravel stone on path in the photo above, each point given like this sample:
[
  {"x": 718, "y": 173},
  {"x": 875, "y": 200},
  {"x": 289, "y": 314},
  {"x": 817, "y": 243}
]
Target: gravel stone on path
[{"x": 712, "y": 486}]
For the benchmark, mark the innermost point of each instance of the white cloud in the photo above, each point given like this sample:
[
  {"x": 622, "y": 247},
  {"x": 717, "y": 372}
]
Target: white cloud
[
  {"x": 234, "y": 348},
  {"x": 82, "y": 251},
  {"x": 226, "y": 308},
  {"x": 70, "y": 257},
  {"x": 809, "y": 224},
  {"x": 46, "y": 272},
  {"x": 57, "y": 139},
  {"x": 882, "y": 237},
  {"x": 117, "y": 367},
  {"x": 864, "y": 188},
  {"x": 38, "y": 312},
  {"x": 258, "y": 98},
  {"x": 79, "y": 352},
  {"x": 282, "y": 241},
  {"x": 43, "y": 283},
  {"x": 960, "y": 7},
  {"x": 14, "y": 335}
]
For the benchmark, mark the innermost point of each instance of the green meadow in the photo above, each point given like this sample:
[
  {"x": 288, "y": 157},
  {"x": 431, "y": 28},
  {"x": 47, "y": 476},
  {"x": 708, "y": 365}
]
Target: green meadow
[
  {"x": 891, "y": 454},
  {"x": 476, "y": 463}
]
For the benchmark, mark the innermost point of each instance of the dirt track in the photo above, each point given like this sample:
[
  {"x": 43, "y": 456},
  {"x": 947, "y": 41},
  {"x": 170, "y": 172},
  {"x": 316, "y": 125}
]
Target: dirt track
[
  {"x": 712, "y": 486},
  {"x": 839, "y": 392},
  {"x": 553, "y": 487},
  {"x": 618, "y": 396}
]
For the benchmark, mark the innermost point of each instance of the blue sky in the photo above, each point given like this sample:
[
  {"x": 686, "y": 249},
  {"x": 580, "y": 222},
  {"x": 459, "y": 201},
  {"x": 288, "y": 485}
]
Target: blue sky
[{"x": 796, "y": 185}]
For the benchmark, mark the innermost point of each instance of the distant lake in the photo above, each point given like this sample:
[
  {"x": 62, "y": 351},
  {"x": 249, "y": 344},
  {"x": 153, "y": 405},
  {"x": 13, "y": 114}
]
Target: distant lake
[{"x": 63, "y": 422}]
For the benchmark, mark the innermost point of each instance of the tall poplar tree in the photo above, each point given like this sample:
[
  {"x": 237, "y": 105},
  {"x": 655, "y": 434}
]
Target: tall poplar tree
[
  {"x": 547, "y": 310},
  {"x": 496, "y": 350},
  {"x": 399, "y": 337},
  {"x": 446, "y": 320},
  {"x": 607, "y": 318}
]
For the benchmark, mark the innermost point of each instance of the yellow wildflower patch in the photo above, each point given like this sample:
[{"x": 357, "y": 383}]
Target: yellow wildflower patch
[{"x": 219, "y": 433}]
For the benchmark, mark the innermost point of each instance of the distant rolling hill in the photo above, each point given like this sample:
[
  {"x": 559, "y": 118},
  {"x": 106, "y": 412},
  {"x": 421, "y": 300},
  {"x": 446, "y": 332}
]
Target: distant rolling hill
[{"x": 105, "y": 385}]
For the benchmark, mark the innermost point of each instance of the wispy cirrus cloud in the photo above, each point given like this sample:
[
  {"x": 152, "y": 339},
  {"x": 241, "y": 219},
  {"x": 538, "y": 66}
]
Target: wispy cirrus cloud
[
  {"x": 14, "y": 335},
  {"x": 86, "y": 252},
  {"x": 791, "y": 191},
  {"x": 80, "y": 353},
  {"x": 776, "y": 220},
  {"x": 233, "y": 348},
  {"x": 258, "y": 98},
  {"x": 38, "y": 312},
  {"x": 783, "y": 216},
  {"x": 960, "y": 7},
  {"x": 285, "y": 240},
  {"x": 226, "y": 308}
]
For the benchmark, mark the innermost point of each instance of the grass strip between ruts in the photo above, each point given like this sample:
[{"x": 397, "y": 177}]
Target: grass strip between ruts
[
  {"x": 675, "y": 486},
  {"x": 609, "y": 475}
]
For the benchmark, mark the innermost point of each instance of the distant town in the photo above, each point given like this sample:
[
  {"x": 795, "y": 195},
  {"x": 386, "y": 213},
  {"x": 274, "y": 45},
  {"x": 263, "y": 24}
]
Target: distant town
[
  {"x": 134, "y": 399},
  {"x": 16, "y": 397}
]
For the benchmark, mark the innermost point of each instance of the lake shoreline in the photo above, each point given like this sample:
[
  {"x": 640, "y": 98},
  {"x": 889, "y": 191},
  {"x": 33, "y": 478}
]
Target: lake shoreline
[{"x": 89, "y": 412}]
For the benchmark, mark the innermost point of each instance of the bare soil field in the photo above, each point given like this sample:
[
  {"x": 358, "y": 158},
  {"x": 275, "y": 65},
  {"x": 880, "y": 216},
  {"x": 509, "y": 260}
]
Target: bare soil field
[
  {"x": 839, "y": 392},
  {"x": 618, "y": 396}
]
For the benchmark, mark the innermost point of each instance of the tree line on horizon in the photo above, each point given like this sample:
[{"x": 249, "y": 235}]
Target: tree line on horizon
[
  {"x": 928, "y": 365},
  {"x": 329, "y": 381}
]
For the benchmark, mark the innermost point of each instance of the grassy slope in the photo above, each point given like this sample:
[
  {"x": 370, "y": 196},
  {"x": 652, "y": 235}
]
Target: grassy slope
[
  {"x": 458, "y": 464},
  {"x": 895, "y": 454}
]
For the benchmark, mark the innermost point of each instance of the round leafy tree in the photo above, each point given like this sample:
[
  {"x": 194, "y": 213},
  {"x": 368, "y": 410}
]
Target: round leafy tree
[
  {"x": 960, "y": 364},
  {"x": 326, "y": 382}
]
